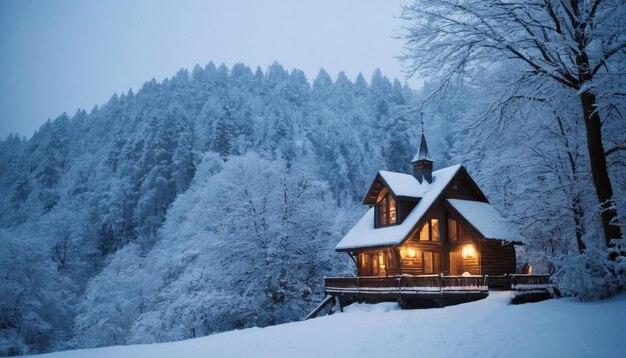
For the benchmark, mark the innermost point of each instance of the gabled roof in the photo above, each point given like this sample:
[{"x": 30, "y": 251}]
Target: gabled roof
[
  {"x": 486, "y": 219},
  {"x": 363, "y": 234},
  {"x": 402, "y": 184}
]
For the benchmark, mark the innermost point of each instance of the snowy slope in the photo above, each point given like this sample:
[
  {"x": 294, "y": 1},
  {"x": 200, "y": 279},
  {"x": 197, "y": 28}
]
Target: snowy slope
[{"x": 487, "y": 328}]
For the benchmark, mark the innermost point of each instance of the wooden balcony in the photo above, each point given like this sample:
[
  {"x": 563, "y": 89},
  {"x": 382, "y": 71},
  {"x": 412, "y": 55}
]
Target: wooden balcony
[
  {"x": 530, "y": 288},
  {"x": 407, "y": 289},
  {"x": 443, "y": 290},
  {"x": 530, "y": 282}
]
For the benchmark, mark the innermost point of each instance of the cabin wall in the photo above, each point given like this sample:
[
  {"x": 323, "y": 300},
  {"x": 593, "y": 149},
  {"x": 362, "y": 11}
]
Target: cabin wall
[
  {"x": 459, "y": 263},
  {"x": 497, "y": 259}
]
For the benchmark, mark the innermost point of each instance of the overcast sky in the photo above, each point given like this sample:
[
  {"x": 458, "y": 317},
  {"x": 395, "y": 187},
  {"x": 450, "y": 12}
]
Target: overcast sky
[{"x": 59, "y": 56}]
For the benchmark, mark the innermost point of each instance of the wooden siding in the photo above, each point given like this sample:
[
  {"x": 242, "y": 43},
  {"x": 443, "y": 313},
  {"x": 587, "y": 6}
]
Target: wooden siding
[
  {"x": 466, "y": 264},
  {"x": 497, "y": 259}
]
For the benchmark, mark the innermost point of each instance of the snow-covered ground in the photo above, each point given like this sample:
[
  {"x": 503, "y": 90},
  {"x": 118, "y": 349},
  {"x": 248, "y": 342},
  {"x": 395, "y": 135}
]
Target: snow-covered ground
[{"x": 486, "y": 328}]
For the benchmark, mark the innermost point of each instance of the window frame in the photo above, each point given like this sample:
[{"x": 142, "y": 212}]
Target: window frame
[
  {"x": 429, "y": 223},
  {"x": 384, "y": 215},
  {"x": 435, "y": 262},
  {"x": 456, "y": 229}
]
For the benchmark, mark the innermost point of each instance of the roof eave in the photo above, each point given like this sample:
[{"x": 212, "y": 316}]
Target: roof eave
[{"x": 348, "y": 249}]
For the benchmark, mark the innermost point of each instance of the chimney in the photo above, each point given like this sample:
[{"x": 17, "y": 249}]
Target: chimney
[{"x": 422, "y": 165}]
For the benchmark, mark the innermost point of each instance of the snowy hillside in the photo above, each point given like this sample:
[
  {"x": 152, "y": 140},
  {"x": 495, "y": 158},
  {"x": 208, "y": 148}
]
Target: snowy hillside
[{"x": 486, "y": 328}]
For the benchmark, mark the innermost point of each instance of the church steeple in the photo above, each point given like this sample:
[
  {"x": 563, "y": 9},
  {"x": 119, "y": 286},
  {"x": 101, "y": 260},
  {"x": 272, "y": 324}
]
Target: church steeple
[
  {"x": 422, "y": 152},
  {"x": 422, "y": 165}
]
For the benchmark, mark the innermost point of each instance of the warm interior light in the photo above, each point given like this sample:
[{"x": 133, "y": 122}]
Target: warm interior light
[
  {"x": 468, "y": 252},
  {"x": 408, "y": 253}
]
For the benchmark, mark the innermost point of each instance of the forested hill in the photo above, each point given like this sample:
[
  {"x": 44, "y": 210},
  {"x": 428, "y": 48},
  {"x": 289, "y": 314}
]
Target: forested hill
[
  {"x": 208, "y": 202},
  {"x": 213, "y": 200}
]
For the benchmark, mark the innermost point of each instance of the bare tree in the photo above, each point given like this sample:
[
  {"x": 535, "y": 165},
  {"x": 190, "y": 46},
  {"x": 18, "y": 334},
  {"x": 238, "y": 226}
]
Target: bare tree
[{"x": 575, "y": 46}]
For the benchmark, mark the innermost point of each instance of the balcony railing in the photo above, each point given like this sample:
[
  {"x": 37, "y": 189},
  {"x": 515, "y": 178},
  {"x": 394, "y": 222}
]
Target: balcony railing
[
  {"x": 406, "y": 284},
  {"x": 530, "y": 282}
]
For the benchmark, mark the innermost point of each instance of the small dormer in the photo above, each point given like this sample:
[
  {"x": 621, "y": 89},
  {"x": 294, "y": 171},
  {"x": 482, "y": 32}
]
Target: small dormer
[
  {"x": 386, "y": 209},
  {"x": 393, "y": 196}
]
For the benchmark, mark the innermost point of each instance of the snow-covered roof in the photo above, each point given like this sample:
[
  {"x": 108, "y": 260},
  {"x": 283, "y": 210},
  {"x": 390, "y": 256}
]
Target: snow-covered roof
[
  {"x": 486, "y": 219},
  {"x": 363, "y": 234},
  {"x": 402, "y": 184}
]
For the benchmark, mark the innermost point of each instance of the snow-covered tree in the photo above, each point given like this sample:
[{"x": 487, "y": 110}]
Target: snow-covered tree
[{"x": 573, "y": 49}]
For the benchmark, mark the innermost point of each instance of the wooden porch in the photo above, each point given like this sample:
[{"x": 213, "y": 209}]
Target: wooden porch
[
  {"x": 439, "y": 289},
  {"x": 530, "y": 288},
  {"x": 407, "y": 290}
]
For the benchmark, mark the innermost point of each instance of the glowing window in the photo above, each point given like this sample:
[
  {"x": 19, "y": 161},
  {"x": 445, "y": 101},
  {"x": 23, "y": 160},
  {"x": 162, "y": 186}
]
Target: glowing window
[
  {"x": 392, "y": 210},
  {"x": 387, "y": 210},
  {"x": 428, "y": 262},
  {"x": 434, "y": 228},
  {"x": 452, "y": 230},
  {"x": 383, "y": 211},
  {"x": 424, "y": 232}
]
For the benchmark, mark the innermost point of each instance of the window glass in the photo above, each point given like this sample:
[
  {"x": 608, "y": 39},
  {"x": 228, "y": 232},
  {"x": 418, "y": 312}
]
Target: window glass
[
  {"x": 428, "y": 262},
  {"x": 424, "y": 232},
  {"x": 453, "y": 234},
  {"x": 382, "y": 264},
  {"x": 383, "y": 211},
  {"x": 434, "y": 227},
  {"x": 392, "y": 210},
  {"x": 437, "y": 262}
]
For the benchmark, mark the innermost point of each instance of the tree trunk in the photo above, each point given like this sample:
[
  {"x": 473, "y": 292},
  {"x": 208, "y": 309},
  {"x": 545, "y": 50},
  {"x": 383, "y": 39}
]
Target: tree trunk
[
  {"x": 599, "y": 171},
  {"x": 579, "y": 222}
]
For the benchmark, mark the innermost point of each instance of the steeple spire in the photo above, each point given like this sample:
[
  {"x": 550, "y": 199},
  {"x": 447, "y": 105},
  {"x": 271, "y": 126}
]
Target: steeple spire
[
  {"x": 422, "y": 152},
  {"x": 422, "y": 165}
]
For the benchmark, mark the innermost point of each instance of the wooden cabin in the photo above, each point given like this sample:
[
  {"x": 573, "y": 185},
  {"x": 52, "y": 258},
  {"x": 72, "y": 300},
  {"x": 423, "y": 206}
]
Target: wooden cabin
[
  {"x": 429, "y": 237},
  {"x": 430, "y": 222}
]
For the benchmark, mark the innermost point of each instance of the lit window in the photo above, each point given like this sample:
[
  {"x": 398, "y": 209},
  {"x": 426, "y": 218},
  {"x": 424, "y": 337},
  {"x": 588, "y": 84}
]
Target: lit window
[
  {"x": 428, "y": 262},
  {"x": 434, "y": 227},
  {"x": 424, "y": 232},
  {"x": 452, "y": 230},
  {"x": 383, "y": 211},
  {"x": 432, "y": 262},
  {"x": 387, "y": 210}
]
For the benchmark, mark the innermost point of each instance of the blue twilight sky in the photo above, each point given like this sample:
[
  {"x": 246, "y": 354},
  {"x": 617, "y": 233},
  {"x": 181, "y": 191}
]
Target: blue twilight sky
[{"x": 64, "y": 55}]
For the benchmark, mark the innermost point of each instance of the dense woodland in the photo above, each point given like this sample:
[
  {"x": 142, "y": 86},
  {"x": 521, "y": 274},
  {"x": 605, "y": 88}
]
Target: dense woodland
[
  {"x": 213, "y": 200},
  {"x": 208, "y": 202}
]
